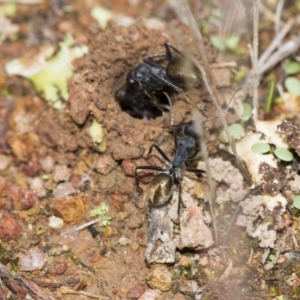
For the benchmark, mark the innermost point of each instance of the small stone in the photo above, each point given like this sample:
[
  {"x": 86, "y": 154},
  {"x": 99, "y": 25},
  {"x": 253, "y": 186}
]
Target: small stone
[
  {"x": 33, "y": 260},
  {"x": 64, "y": 190},
  {"x": 134, "y": 246},
  {"x": 61, "y": 173},
  {"x": 185, "y": 261},
  {"x": 37, "y": 185},
  {"x": 150, "y": 295},
  {"x": 128, "y": 167},
  {"x": 136, "y": 291},
  {"x": 21, "y": 145},
  {"x": 203, "y": 261},
  {"x": 71, "y": 209},
  {"x": 9, "y": 226},
  {"x": 123, "y": 241},
  {"x": 179, "y": 296},
  {"x": 47, "y": 164},
  {"x": 194, "y": 233},
  {"x": 160, "y": 278},
  {"x": 67, "y": 142},
  {"x": 107, "y": 231},
  {"x": 5, "y": 161},
  {"x": 56, "y": 223},
  {"x": 28, "y": 198},
  {"x": 134, "y": 221},
  {"x": 104, "y": 164},
  {"x": 65, "y": 248},
  {"x": 60, "y": 267},
  {"x": 121, "y": 151},
  {"x": 79, "y": 101}
]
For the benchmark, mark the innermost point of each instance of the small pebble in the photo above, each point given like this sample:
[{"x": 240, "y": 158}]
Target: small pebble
[
  {"x": 4, "y": 162},
  {"x": 47, "y": 164},
  {"x": 33, "y": 260},
  {"x": 185, "y": 261},
  {"x": 104, "y": 164},
  {"x": 134, "y": 221},
  {"x": 64, "y": 190},
  {"x": 128, "y": 167},
  {"x": 71, "y": 209},
  {"x": 123, "y": 241},
  {"x": 56, "y": 223},
  {"x": 203, "y": 261},
  {"x": 134, "y": 246},
  {"x": 107, "y": 231},
  {"x": 150, "y": 295},
  {"x": 65, "y": 248},
  {"x": 9, "y": 226},
  {"x": 27, "y": 198},
  {"x": 61, "y": 173},
  {"x": 37, "y": 185},
  {"x": 60, "y": 267},
  {"x": 135, "y": 292},
  {"x": 160, "y": 278}
]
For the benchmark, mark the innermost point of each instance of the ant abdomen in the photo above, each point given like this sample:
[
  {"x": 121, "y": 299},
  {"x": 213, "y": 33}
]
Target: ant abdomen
[
  {"x": 160, "y": 189},
  {"x": 184, "y": 74}
]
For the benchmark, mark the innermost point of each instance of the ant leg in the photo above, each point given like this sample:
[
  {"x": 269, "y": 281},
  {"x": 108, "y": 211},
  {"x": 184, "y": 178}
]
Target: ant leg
[
  {"x": 169, "y": 52},
  {"x": 148, "y": 59},
  {"x": 166, "y": 82},
  {"x": 173, "y": 86},
  {"x": 161, "y": 152},
  {"x": 195, "y": 170},
  {"x": 154, "y": 168}
]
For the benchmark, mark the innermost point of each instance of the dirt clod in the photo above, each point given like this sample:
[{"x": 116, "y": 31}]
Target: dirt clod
[
  {"x": 104, "y": 164},
  {"x": 61, "y": 173},
  {"x": 60, "y": 267},
  {"x": 32, "y": 260},
  {"x": 70, "y": 209},
  {"x": 160, "y": 278},
  {"x": 9, "y": 226},
  {"x": 128, "y": 167},
  {"x": 122, "y": 151},
  {"x": 135, "y": 292}
]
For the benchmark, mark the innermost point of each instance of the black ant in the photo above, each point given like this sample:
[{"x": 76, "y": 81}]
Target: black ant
[
  {"x": 145, "y": 94},
  {"x": 187, "y": 146},
  {"x": 143, "y": 97},
  {"x": 182, "y": 73}
]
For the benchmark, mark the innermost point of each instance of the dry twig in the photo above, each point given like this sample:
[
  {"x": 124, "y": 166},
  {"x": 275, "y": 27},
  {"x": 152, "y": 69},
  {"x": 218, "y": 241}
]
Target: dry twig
[
  {"x": 21, "y": 286},
  {"x": 255, "y": 72}
]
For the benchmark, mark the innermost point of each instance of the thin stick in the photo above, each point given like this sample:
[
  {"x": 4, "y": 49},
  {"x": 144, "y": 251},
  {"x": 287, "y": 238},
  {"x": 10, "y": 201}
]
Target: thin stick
[
  {"x": 279, "y": 9},
  {"x": 283, "y": 51},
  {"x": 255, "y": 61},
  {"x": 276, "y": 42},
  {"x": 210, "y": 86},
  {"x": 211, "y": 195}
]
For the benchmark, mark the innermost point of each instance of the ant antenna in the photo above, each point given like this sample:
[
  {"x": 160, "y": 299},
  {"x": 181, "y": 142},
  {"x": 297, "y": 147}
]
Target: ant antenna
[
  {"x": 227, "y": 107},
  {"x": 231, "y": 100}
]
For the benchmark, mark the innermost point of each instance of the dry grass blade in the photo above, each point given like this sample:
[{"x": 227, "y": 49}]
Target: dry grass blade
[
  {"x": 255, "y": 71},
  {"x": 207, "y": 79},
  {"x": 204, "y": 152}
]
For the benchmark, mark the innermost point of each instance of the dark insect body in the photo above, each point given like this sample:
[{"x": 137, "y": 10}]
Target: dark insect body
[
  {"x": 187, "y": 146},
  {"x": 149, "y": 85},
  {"x": 143, "y": 97},
  {"x": 160, "y": 189}
]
